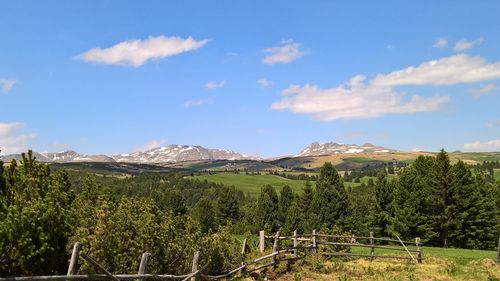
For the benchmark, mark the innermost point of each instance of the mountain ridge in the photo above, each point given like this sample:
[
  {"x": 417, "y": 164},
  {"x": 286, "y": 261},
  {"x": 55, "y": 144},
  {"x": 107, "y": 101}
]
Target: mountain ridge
[
  {"x": 332, "y": 148},
  {"x": 165, "y": 154}
]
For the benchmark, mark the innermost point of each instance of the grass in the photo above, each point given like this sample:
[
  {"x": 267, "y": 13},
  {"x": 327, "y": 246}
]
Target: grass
[
  {"x": 459, "y": 256},
  {"x": 252, "y": 184},
  {"x": 438, "y": 264},
  {"x": 360, "y": 160}
]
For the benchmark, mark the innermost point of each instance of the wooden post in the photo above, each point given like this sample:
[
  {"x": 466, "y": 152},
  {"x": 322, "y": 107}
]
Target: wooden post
[
  {"x": 498, "y": 251},
  {"x": 144, "y": 263},
  {"x": 313, "y": 237},
  {"x": 261, "y": 241},
  {"x": 276, "y": 248},
  {"x": 73, "y": 262},
  {"x": 372, "y": 244},
  {"x": 244, "y": 247},
  {"x": 196, "y": 260},
  {"x": 98, "y": 267},
  {"x": 419, "y": 250},
  {"x": 295, "y": 244}
]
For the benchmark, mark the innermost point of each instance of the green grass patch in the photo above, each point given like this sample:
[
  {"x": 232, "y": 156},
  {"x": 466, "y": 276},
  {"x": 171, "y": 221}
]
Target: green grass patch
[
  {"x": 252, "y": 184},
  {"x": 360, "y": 160},
  {"x": 460, "y": 256}
]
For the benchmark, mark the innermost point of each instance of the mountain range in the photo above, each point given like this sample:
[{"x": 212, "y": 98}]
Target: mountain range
[
  {"x": 165, "y": 154},
  {"x": 331, "y": 148},
  {"x": 185, "y": 153}
]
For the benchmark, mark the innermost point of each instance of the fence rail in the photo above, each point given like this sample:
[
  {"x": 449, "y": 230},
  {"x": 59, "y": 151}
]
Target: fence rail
[{"x": 305, "y": 242}]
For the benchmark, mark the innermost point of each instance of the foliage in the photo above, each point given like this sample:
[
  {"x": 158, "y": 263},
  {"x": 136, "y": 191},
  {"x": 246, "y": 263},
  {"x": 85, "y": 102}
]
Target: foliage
[{"x": 34, "y": 206}]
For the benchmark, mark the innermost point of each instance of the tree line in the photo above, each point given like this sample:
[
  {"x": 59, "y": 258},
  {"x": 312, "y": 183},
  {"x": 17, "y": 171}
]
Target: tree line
[{"x": 170, "y": 215}]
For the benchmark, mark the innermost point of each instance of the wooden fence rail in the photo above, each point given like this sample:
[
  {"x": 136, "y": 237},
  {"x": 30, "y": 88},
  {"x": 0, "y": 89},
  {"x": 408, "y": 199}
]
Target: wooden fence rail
[{"x": 315, "y": 242}]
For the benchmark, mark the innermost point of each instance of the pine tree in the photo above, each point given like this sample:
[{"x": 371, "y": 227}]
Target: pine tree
[
  {"x": 413, "y": 201},
  {"x": 203, "y": 213},
  {"x": 226, "y": 205},
  {"x": 266, "y": 214},
  {"x": 330, "y": 202},
  {"x": 34, "y": 228},
  {"x": 382, "y": 204},
  {"x": 443, "y": 193},
  {"x": 285, "y": 200}
]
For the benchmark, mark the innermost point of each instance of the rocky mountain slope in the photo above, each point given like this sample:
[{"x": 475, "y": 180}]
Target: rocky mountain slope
[
  {"x": 61, "y": 157},
  {"x": 166, "y": 154},
  {"x": 179, "y": 153},
  {"x": 330, "y": 148}
]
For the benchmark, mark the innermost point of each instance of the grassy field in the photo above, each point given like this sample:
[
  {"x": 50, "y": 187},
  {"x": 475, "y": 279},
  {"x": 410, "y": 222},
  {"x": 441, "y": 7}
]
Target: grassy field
[
  {"x": 439, "y": 264},
  {"x": 252, "y": 184}
]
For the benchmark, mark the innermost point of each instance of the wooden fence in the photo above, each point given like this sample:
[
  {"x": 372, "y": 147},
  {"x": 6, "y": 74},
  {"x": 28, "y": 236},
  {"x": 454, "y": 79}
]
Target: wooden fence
[{"x": 284, "y": 249}]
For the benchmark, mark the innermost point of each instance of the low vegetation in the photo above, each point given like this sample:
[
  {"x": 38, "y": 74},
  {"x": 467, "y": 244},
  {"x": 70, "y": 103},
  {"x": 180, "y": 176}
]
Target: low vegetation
[{"x": 172, "y": 215}]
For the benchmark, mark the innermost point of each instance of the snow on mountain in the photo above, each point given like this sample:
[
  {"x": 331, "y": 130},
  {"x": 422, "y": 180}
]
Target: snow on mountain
[
  {"x": 330, "y": 148},
  {"x": 61, "y": 157},
  {"x": 179, "y": 153}
]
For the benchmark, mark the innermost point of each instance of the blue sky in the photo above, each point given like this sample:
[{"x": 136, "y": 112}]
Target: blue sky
[{"x": 260, "y": 77}]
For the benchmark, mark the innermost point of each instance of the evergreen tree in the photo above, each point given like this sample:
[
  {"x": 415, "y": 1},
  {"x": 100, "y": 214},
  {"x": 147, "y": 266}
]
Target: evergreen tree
[
  {"x": 382, "y": 204},
  {"x": 203, "y": 212},
  {"x": 443, "y": 194},
  {"x": 330, "y": 202},
  {"x": 285, "y": 200},
  {"x": 266, "y": 214},
  {"x": 226, "y": 205},
  {"x": 176, "y": 203},
  {"x": 34, "y": 228},
  {"x": 413, "y": 201}
]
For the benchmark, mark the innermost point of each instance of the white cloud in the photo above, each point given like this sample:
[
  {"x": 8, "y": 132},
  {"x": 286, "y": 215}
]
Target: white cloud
[
  {"x": 377, "y": 97},
  {"x": 150, "y": 145},
  {"x": 138, "y": 52},
  {"x": 286, "y": 52},
  {"x": 455, "y": 69},
  {"x": 493, "y": 124},
  {"x": 191, "y": 103},
  {"x": 214, "y": 85},
  {"x": 440, "y": 43},
  {"x": 464, "y": 44},
  {"x": 483, "y": 90},
  {"x": 353, "y": 100},
  {"x": 489, "y": 146},
  {"x": 264, "y": 82},
  {"x": 7, "y": 84},
  {"x": 13, "y": 141}
]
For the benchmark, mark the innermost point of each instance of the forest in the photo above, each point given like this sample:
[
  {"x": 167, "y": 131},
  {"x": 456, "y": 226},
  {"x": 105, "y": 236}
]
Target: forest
[{"x": 45, "y": 210}]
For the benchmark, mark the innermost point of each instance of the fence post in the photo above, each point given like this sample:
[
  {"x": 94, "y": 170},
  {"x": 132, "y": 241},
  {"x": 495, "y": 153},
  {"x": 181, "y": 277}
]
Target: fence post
[
  {"x": 295, "y": 244},
  {"x": 276, "y": 248},
  {"x": 73, "y": 262},
  {"x": 244, "y": 247},
  {"x": 419, "y": 251},
  {"x": 144, "y": 263},
  {"x": 313, "y": 237},
  {"x": 196, "y": 260},
  {"x": 372, "y": 244},
  {"x": 261, "y": 241},
  {"x": 498, "y": 251}
]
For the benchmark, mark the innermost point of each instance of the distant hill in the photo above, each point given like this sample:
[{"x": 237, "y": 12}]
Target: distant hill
[
  {"x": 332, "y": 148},
  {"x": 188, "y": 158},
  {"x": 179, "y": 153},
  {"x": 160, "y": 155},
  {"x": 62, "y": 157}
]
